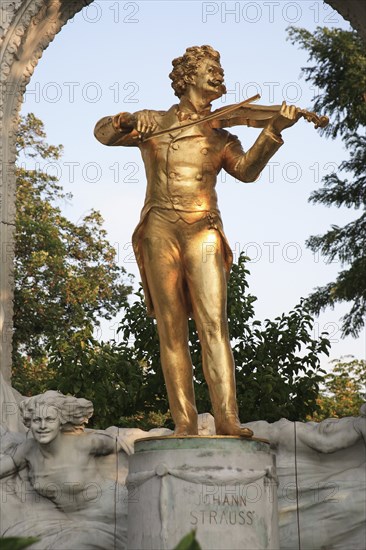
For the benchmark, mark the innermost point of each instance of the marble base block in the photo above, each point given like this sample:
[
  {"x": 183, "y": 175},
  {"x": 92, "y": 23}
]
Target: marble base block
[{"x": 223, "y": 487}]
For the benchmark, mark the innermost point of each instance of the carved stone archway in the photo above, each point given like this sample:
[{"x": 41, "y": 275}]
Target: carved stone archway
[{"x": 26, "y": 29}]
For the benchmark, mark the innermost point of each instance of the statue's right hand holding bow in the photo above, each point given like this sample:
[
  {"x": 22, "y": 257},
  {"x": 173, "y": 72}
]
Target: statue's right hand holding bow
[{"x": 142, "y": 121}]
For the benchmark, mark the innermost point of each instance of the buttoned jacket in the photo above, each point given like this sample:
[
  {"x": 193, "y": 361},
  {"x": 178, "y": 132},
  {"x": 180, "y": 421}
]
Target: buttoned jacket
[{"x": 182, "y": 167}]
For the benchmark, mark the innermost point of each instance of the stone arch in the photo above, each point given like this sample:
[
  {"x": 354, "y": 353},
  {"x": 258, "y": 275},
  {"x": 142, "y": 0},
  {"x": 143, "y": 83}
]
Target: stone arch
[{"x": 26, "y": 29}]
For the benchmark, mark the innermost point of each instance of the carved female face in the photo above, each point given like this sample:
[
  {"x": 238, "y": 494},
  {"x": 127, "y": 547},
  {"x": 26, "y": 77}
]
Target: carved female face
[{"x": 45, "y": 423}]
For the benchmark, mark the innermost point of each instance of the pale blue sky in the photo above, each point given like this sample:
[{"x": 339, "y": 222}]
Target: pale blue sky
[{"x": 116, "y": 56}]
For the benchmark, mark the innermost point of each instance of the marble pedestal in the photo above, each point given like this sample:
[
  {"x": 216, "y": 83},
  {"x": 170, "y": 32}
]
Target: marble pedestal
[{"x": 223, "y": 487}]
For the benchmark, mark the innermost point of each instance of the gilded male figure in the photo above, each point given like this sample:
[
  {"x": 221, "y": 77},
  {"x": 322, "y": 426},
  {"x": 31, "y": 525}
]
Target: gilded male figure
[{"x": 180, "y": 245}]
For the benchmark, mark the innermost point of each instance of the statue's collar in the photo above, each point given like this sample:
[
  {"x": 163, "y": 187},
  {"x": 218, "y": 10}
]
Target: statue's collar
[{"x": 187, "y": 111}]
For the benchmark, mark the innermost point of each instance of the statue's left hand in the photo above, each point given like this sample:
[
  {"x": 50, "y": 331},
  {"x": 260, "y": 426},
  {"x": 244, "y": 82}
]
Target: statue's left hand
[{"x": 286, "y": 117}]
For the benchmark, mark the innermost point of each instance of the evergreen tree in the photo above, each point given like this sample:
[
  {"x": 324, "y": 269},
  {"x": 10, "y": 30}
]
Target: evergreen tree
[{"x": 340, "y": 73}]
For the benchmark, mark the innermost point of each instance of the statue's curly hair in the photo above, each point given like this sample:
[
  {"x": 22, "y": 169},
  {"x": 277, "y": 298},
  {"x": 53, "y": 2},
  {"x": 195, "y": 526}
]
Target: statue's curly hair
[
  {"x": 186, "y": 65},
  {"x": 74, "y": 412}
]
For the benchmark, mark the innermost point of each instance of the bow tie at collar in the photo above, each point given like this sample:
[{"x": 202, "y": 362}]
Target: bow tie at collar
[{"x": 191, "y": 115}]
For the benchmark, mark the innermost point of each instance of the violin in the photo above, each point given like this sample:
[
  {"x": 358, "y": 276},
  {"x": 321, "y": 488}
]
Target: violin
[
  {"x": 244, "y": 114},
  {"x": 257, "y": 116}
]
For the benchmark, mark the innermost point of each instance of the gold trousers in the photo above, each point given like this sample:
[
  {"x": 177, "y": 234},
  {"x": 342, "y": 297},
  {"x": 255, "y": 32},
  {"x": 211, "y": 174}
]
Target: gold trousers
[{"x": 184, "y": 262}]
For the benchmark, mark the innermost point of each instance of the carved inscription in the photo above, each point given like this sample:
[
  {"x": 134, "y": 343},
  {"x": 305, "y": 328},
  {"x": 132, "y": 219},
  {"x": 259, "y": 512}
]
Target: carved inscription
[
  {"x": 223, "y": 505},
  {"x": 223, "y": 517}
]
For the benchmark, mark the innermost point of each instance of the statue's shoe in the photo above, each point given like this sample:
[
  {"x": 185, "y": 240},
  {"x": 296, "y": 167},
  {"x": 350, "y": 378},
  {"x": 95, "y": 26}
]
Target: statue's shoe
[{"x": 231, "y": 426}]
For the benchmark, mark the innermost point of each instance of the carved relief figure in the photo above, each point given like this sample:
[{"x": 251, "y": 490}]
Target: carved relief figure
[{"x": 61, "y": 464}]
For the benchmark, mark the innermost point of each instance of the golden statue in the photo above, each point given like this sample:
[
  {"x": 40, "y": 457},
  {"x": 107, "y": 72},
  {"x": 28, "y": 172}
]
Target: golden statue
[{"x": 180, "y": 245}]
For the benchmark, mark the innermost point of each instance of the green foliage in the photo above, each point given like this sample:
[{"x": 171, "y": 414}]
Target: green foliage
[
  {"x": 278, "y": 366},
  {"x": 189, "y": 542},
  {"x": 91, "y": 369},
  {"x": 140, "y": 339},
  {"x": 344, "y": 390},
  {"x": 340, "y": 73},
  {"x": 66, "y": 275},
  {"x": 16, "y": 543}
]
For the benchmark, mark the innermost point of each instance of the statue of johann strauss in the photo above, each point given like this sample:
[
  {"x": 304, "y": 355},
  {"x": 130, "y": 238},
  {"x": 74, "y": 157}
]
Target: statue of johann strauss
[{"x": 180, "y": 245}]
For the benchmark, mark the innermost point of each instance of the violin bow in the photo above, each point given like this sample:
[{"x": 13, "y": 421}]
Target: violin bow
[{"x": 211, "y": 116}]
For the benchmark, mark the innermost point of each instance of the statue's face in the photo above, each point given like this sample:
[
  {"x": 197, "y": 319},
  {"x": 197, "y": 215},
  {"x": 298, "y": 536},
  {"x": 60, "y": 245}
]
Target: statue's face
[
  {"x": 209, "y": 79},
  {"x": 45, "y": 423}
]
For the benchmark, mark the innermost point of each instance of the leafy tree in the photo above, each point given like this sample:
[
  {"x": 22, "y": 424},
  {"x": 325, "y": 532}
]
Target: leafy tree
[
  {"x": 340, "y": 73},
  {"x": 344, "y": 390},
  {"x": 66, "y": 276},
  {"x": 98, "y": 371},
  {"x": 278, "y": 365}
]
